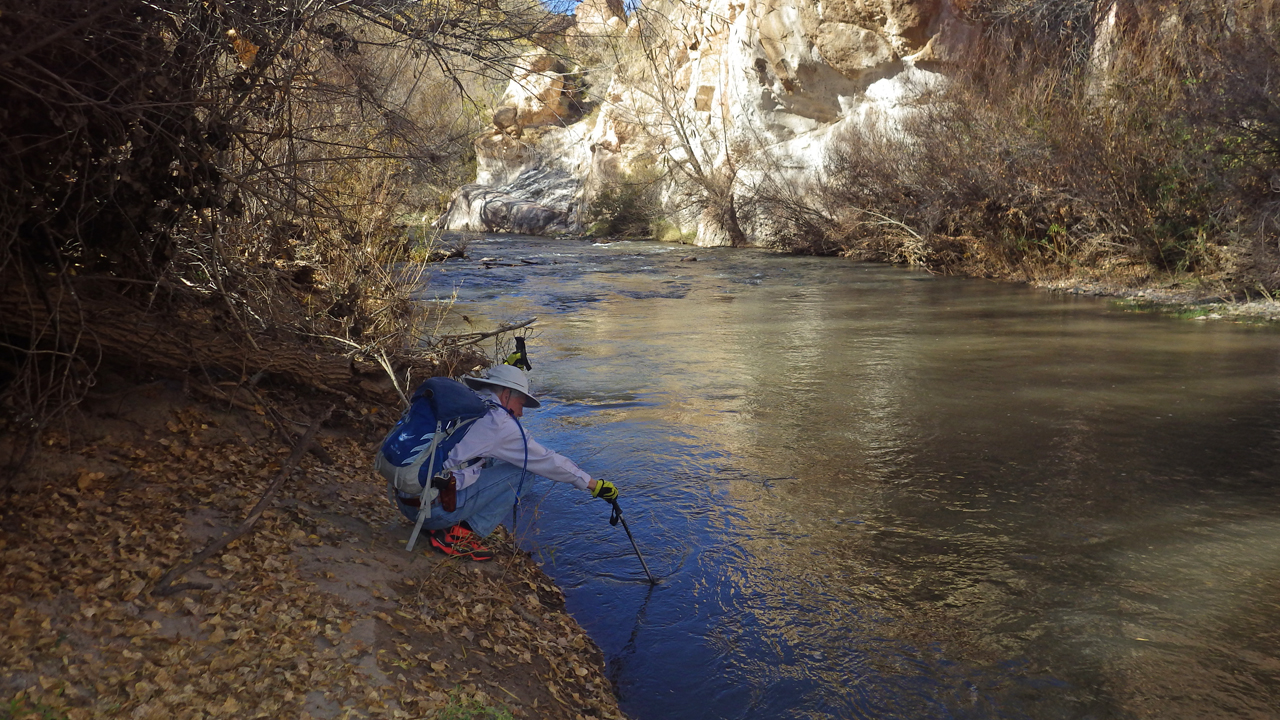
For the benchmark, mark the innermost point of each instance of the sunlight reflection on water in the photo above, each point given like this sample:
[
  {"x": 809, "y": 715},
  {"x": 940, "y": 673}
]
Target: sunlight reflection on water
[{"x": 875, "y": 493}]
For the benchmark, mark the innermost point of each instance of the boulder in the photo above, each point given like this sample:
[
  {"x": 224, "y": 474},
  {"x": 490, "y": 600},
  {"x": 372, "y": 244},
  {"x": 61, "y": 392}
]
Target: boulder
[
  {"x": 479, "y": 208},
  {"x": 596, "y": 17},
  {"x": 505, "y": 117},
  {"x": 537, "y": 93},
  {"x": 910, "y": 20},
  {"x": 851, "y": 49}
]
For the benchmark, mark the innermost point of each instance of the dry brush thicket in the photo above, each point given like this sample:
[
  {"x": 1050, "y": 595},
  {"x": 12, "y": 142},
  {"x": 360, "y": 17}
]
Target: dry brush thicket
[
  {"x": 1123, "y": 141},
  {"x": 214, "y": 188}
]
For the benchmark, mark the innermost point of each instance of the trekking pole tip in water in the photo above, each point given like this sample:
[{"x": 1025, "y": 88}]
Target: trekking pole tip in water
[{"x": 614, "y": 519}]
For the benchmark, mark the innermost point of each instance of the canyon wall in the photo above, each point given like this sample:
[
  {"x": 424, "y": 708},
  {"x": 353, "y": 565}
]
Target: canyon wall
[{"x": 709, "y": 98}]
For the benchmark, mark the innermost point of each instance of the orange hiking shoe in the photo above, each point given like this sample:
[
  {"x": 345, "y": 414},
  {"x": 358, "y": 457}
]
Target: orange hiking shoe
[
  {"x": 460, "y": 542},
  {"x": 459, "y": 532}
]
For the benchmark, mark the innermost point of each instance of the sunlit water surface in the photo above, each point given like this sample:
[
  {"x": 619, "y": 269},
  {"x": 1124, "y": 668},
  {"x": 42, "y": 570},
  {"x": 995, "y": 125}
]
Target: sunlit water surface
[{"x": 873, "y": 493}]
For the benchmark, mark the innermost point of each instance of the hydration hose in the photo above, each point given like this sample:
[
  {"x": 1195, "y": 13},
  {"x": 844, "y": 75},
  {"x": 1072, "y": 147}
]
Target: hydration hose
[{"x": 524, "y": 472}]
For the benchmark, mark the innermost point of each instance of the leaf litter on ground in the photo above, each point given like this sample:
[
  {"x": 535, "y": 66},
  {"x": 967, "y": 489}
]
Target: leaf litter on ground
[{"x": 317, "y": 612}]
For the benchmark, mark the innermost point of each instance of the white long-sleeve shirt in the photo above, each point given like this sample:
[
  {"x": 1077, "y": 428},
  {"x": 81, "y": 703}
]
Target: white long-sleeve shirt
[{"x": 497, "y": 435}]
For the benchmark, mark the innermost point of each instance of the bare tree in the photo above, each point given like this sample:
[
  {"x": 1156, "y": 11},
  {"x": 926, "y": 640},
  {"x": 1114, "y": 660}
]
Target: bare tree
[
  {"x": 689, "y": 134},
  {"x": 214, "y": 185}
]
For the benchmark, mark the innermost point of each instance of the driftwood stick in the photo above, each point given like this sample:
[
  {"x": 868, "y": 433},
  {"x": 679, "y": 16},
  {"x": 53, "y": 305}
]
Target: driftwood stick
[
  {"x": 475, "y": 337},
  {"x": 280, "y": 422},
  {"x": 164, "y": 588}
]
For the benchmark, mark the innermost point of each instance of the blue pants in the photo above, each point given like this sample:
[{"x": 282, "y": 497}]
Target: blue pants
[{"x": 484, "y": 504}]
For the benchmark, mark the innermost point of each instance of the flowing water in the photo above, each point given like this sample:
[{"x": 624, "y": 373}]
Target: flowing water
[{"x": 868, "y": 492}]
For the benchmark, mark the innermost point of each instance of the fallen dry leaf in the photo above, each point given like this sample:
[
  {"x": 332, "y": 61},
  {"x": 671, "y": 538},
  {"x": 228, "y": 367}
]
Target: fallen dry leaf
[{"x": 281, "y": 629}]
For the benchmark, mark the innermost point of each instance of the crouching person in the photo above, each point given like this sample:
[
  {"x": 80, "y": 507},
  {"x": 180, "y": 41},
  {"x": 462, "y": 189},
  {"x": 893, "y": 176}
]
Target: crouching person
[{"x": 479, "y": 473}]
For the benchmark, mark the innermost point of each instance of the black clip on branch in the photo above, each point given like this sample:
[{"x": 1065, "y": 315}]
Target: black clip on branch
[{"x": 520, "y": 358}]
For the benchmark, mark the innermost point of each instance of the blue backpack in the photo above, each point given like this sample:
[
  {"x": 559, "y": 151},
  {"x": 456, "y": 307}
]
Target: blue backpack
[{"x": 440, "y": 412}]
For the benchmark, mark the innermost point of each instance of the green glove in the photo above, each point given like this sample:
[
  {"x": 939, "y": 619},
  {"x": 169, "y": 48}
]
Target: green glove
[{"x": 605, "y": 490}]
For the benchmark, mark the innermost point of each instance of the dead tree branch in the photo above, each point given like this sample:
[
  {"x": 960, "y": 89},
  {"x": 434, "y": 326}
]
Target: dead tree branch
[{"x": 473, "y": 338}]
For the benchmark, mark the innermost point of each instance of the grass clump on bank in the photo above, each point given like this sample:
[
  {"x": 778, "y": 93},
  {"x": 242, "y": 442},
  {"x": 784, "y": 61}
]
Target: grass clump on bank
[
  {"x": 20, "y": 708},
  {"x": 464, "y": 707},
  {"x": 1117, "y": 140}
]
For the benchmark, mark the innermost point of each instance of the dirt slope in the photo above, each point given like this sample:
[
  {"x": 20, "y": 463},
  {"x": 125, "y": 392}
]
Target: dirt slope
[{"x": 318, "y": 612}]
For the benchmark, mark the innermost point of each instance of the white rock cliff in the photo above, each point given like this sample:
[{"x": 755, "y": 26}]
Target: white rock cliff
[{"x": 714, "y": 96}]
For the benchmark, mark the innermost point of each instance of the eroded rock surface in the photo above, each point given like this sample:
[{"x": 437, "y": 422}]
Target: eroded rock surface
[{"x": 711, "y": 94}]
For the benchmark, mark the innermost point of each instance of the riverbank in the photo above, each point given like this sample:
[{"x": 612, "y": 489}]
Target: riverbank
[
  {"x": 317, "y": 612},
  {"x": 1188, "y": 299}
]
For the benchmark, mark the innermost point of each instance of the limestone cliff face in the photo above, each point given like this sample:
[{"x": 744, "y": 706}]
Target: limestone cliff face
[{"x": 718, "y": 95}]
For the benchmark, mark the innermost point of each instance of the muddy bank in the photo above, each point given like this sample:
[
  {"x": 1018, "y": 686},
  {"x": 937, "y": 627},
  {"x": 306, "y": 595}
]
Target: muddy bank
[{"x": 318, "y": 612}]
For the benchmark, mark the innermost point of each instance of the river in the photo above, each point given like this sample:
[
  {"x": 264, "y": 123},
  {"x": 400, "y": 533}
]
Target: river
[{"x": 868, "y": 492}]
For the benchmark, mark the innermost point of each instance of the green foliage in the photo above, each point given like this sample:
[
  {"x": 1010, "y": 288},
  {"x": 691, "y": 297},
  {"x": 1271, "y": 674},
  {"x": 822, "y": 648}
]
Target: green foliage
[
  {"x": 1181, "y": 218},
  {"x": 19, "y": 708},
  {"x": 667, "y": 231},
  {"x": 462, "y": 707}
]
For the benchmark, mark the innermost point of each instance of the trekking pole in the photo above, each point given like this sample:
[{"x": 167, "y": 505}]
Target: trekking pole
[{"x": 614, "y": 520}]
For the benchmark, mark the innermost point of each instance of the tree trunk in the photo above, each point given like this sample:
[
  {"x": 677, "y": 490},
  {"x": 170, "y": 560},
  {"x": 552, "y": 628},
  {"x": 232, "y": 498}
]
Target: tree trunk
[
  {"x": 175, "y": 335},
  {"x": 729, "y": 220}
]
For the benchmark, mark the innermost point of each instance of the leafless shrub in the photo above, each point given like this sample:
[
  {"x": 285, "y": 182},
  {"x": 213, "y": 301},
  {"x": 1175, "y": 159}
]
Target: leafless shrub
[
  {"x": 232, "y": 171},
  {"x": 1030, "y": 168},
  {"x": 701, "y": 165}
]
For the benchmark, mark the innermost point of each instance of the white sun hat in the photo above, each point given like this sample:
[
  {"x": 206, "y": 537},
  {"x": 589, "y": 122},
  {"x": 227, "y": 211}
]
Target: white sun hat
[{"x": 508, "y": 376}]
